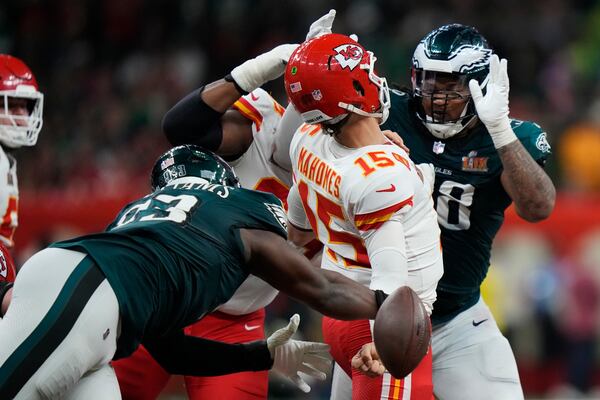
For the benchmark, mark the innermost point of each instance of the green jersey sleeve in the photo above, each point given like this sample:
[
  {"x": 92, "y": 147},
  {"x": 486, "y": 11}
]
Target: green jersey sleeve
[{"x": 533, "y": 138}]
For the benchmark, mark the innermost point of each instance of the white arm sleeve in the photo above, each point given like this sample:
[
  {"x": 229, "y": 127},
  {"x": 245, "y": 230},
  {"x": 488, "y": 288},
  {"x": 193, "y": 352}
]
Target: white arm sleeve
[
  {"x": 289, "y": 123},
  {"x": 387, "y": 255},
  {"x": 296, "y": 214}
]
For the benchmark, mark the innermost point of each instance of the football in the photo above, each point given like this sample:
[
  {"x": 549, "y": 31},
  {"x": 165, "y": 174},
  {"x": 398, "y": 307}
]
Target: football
[{"x": 402, "y": 332}]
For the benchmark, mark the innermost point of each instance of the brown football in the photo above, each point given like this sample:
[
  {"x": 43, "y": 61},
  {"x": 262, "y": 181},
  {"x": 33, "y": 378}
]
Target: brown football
[{"x": 402, "y": 332}]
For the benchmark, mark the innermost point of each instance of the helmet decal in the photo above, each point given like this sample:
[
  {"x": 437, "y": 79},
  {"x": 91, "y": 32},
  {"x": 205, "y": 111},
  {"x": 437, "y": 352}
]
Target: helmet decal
[
  {"x": 348, "y": 55},
  {"x": 192, "y": 161}
]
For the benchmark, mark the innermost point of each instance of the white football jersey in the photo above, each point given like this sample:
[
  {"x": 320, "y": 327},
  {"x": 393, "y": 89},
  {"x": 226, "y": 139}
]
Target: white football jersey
[
  {"x": 9, "y": 197},
  {"x": 256, "y": 170},
  {"x": 348, "y": 193}
]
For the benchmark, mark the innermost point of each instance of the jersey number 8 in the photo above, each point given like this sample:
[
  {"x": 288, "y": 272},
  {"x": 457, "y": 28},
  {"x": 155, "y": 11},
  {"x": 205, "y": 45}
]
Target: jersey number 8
[{"x": 453, "y": 202}]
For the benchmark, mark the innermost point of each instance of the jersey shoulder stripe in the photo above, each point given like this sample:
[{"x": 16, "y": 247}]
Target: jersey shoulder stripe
[
  {"x": 374, "y": 220},
  {"x": 249, "y": 111},
  {"x": 257, "y": 106}
]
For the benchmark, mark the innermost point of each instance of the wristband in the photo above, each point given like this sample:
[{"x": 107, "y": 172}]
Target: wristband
[
  {"x": 229, "y": 78},
  {"x": 380, "y": 297},
  {"x": 502, "y": 134}
]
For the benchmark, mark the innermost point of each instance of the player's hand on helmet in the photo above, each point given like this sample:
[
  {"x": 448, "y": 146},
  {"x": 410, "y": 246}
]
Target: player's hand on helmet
[
  {"x": 322, "y": 26},
  {"x": 264, "y": 68},
  {"x": 367, "y": 361},
  {"x": 396, "y": 139},
  {"x": 290, "y": 357},
  {"x": 492, "y": 108},
  {"x": 271, "y": 65}
]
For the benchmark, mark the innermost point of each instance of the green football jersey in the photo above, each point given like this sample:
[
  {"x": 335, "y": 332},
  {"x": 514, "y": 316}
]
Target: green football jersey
[
  {"x": 176, "y": 254},
  {"x": 468, "y": 195}
]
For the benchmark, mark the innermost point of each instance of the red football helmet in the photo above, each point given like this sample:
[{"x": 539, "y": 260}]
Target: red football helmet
[
  {"x": 331, "y": 75},
  {"x": 18, "y": 82}
]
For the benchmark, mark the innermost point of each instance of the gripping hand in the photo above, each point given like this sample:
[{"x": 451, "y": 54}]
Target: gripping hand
[{"x": 294, "y": 356}]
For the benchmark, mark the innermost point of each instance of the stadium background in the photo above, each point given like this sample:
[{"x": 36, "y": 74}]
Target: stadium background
[{"x": 109, "y": 70}]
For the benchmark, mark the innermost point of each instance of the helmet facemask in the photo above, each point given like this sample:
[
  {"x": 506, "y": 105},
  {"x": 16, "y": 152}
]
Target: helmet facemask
[
  {"x": 443, "y": 101},
  {"x": 21, "y": 130}
]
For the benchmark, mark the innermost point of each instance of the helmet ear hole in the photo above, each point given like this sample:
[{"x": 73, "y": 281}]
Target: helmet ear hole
[{"x": 358, "y": 87}]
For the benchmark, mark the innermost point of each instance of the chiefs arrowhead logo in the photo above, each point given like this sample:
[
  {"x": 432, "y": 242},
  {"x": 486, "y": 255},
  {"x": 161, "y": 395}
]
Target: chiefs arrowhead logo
[{"x": 349, "y": 55}]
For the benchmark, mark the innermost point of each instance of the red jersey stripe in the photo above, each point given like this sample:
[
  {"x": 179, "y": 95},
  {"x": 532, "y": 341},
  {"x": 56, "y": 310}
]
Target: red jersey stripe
[
  {"x": 249, "y": 111},
  {"x": 375, "y": 219}
]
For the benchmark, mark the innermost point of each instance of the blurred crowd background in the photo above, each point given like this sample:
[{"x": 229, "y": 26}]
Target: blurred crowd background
[{"x": 110, "y": 69}]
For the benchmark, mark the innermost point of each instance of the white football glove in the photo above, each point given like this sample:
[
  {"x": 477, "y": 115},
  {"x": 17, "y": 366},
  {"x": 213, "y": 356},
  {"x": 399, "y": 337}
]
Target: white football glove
[
  {"x": 492, "y": 108},
  {"x": 264, "y": 68},
  {"x": 294, "y": 356},
  {"x": 322, "y": 26}
]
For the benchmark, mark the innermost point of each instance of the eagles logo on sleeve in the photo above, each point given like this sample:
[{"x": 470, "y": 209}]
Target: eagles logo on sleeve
[{"x": 278, "y": 213}]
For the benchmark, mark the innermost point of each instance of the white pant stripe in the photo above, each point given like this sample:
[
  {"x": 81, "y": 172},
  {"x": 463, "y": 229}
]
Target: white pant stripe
[
  {"x": 385, "y": 386},
  {"x": 407, "y": 387}
]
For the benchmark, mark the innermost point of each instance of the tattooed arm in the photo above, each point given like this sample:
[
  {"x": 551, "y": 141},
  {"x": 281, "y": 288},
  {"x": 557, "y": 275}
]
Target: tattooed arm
[
  {"x": 523, "y": 179},
  {"x": 526, "y": 183}
]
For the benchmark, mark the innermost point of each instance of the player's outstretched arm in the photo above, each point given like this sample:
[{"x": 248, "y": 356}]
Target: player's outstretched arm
[
  {"x": 272, "y": 259},
  {"x": 523, "y": 179},
  {"x": 202, "y": 117},
  {"x": 187, "y": 355}
]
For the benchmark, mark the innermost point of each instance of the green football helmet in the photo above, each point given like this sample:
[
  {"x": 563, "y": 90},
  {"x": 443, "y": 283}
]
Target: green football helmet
[
  {"x": 443, "y": 64},
  {"x": 191, "y": 160}
]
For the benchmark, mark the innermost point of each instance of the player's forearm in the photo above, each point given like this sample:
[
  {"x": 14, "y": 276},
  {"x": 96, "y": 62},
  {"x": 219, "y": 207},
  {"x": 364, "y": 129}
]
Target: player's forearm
[
  {"x": 220, "y": 95},
  {"x": 196, "y": 119},
  {"x": 346, "y": 299},
  {"x": 187, "y": 355},
  {"x": 526, "y": 183}
]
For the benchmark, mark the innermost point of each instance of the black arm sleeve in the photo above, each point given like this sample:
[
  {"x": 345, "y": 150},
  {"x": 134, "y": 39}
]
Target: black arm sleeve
[
  {"x": 192, "y": 121},
  {"x": 187, "y": 355}
]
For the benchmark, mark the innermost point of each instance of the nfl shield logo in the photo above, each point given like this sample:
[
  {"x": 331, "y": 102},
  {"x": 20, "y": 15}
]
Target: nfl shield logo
[
  {"x": 317, "y": 95},
  {"x": 438, "y": 147}
]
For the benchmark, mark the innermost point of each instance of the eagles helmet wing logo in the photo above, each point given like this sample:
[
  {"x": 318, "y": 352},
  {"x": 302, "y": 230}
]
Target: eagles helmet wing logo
[
  {"x": 349, "y": 55},
  {"x": 469, "y": 57},
  {"x": 463, "y": 59}
]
